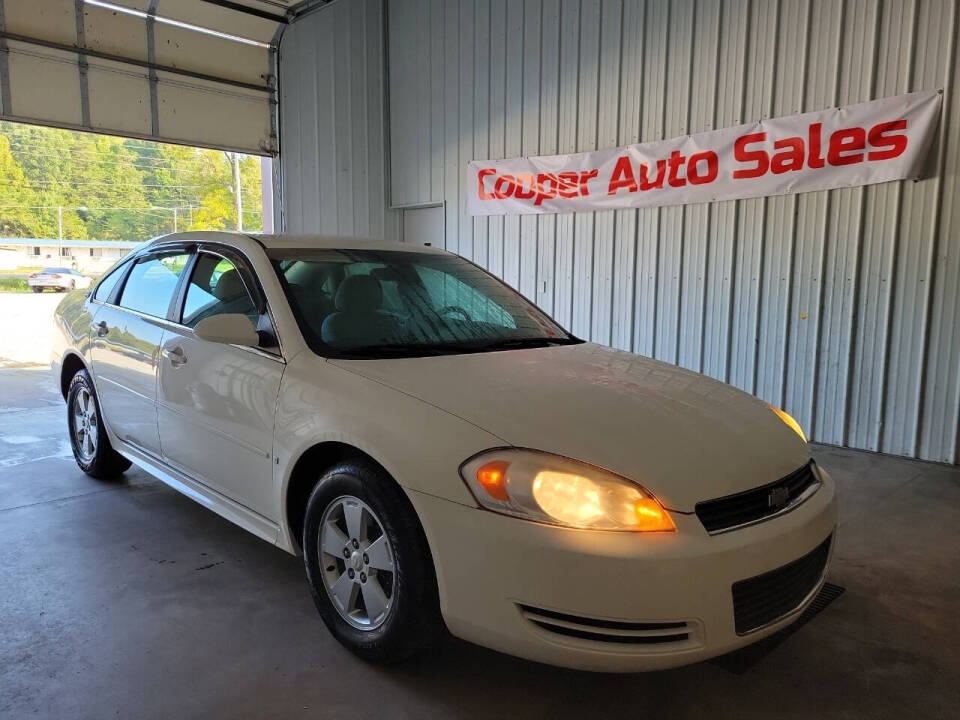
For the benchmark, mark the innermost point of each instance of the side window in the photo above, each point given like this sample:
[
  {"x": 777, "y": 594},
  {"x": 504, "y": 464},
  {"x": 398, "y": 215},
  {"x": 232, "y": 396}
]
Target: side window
[
  {"x": 151, "y": 283},
  {"x": 107, "y": 285},
  {"x": 216, "y": 288}
]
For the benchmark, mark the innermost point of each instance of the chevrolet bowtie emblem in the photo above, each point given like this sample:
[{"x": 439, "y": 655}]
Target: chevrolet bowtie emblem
[{"x": 778, "y": 498}]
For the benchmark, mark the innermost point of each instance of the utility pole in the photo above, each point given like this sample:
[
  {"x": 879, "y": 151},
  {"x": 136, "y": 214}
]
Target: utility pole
[
  {"x": 174, "y": 219},
  {"x": 237, "y": 200},
  {"x": 60, "y": 230},
  {"x": 266, "y": 194}
]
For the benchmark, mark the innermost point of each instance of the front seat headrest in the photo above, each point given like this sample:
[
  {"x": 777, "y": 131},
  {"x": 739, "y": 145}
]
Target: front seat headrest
[
  {"x": 359, "y": 294},
  {"x": 229, "y": 285}
]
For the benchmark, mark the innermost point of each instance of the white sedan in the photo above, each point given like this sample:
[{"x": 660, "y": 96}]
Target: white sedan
[
  {"x": 59, "y": 279},
  {"x": 443, "y": 455}
]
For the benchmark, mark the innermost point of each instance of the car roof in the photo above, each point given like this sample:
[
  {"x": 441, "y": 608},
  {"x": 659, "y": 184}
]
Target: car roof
[{"x": 294, "y": 241}]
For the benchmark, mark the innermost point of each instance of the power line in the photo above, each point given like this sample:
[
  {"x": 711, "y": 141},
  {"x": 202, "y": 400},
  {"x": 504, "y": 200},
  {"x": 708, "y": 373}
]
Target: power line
[
  {"x": 103, "y": 158},
  {"x": 94, "y": 209},
  {"x": 36, "y": 134},
  {"x": 148, "y": 210},
  {"x": 48, "y": 134},
  {"x": 74, "y": 183},
  {"x": 83, "y": 165}
]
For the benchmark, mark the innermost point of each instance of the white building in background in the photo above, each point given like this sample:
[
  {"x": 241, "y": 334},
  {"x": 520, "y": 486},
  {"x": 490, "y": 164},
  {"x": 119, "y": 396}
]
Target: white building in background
[{"x": 89, "y": 256}]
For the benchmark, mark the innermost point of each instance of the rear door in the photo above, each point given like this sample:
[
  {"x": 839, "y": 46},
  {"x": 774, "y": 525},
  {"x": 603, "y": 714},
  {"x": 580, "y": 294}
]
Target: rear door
[
  {"x": 125, "y": 346},
  {"x": 216, "y": 403}
]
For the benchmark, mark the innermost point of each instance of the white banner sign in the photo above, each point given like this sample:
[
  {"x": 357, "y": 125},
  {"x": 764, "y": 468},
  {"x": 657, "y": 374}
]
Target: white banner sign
[{"x": 862, "y": 144}]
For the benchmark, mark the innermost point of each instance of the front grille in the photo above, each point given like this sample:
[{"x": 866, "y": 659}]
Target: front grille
[
  {"x": 761, "y": 600},
  {"x": 752, "y": 505},
  {"x": 606, "y": 631}
]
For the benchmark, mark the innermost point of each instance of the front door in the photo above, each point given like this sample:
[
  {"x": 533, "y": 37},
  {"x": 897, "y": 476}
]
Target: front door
[
  {"x": 216, "y": 403},
  {"x": 126, "y": 344}
]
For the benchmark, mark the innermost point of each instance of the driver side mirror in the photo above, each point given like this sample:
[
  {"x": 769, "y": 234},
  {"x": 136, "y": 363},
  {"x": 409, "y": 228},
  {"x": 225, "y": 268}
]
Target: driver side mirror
[{"x": 229, "y": 329}]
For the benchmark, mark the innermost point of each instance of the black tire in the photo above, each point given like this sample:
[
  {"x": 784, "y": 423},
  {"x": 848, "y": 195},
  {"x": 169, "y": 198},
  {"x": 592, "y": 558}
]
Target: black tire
[
  {"x": 37, "y": 289},
  {"x": 105, "y": 463},
  {"x": 73, "y": 285},
  {"x": 413, "y": 621}
]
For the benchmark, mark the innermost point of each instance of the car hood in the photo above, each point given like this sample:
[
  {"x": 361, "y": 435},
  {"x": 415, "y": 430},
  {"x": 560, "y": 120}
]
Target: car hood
[{"x": 683, "y": 436}]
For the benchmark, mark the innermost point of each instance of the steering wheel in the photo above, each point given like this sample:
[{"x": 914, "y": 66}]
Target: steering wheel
[{"x": 455, "y": 309}]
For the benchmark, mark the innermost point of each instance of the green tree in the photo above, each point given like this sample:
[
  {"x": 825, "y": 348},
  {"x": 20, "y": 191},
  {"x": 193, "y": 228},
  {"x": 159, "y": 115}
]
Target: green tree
[
  {"x": 18, "y": 214},
  {"x": 116, "y": 188}
]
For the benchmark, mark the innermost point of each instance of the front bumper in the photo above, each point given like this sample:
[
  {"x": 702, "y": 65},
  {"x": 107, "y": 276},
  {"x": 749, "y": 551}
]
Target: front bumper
[{"x": 492, "y": 569}]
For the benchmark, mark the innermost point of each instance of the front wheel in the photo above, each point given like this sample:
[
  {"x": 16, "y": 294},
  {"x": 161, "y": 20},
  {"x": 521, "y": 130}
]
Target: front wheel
[
  {"x": 37, "y": 289},
  {"x": 91, "y": 446},
  {"x": 370, "y": 570}
]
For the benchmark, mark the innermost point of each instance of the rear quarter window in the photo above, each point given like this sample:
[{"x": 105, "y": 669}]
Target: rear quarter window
[{"x": 106, "y": 286}]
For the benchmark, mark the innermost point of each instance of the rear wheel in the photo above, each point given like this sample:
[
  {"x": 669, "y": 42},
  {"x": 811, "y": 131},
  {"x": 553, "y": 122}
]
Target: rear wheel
[
  {"x": 37, "y": 289},
  {"x": 368, "y": 564},
  {"x": 91, "y": 446}
]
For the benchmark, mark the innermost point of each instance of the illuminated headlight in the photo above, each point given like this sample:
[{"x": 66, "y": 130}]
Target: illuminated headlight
[
  {"x": 788, "y": 421},
  {"x": 553, "y": 489}
]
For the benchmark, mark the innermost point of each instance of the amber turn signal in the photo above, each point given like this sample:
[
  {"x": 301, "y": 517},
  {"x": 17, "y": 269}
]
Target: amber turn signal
[
  {"x": 651, "y": 517},
  {"x": 492, "y": 477}
]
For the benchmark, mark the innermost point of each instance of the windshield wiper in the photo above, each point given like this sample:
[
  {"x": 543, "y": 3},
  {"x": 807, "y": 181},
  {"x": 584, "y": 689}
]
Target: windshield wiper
[
  {"x": 520, "y": 343},
  {"x": 454, "y": 348}
]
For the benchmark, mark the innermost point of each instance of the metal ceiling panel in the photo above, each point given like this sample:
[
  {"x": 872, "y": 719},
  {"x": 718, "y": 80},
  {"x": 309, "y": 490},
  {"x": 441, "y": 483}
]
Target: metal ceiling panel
[
  {"x": 50, "y": 19},
  {"x": 184, "y": 71},
  {"x": 60, "y": 102},
  {"x": 179, "y": 47},
  {"x": 114, "y": 32},
  {"x": 230, "y": 117},
  {"x": 119, "y": 99}
]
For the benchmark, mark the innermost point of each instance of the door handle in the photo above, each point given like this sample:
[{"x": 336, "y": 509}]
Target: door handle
[
  {"x": 101, "y": 328},
  {"x": 175, "y": 356}
]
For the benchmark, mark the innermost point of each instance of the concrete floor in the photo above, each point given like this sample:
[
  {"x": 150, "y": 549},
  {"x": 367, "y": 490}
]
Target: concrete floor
[
  {"x": 126, "y": 599},
  {"x": 27, "y": 325}
]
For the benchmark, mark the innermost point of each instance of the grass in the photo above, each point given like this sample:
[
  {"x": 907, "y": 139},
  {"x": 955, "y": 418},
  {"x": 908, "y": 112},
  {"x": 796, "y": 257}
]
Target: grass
[{"x": 13, "y": 284}]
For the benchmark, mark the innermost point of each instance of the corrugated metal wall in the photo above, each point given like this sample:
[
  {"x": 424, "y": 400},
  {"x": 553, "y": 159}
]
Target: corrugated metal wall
[
  {"x": 842, "y": 306},
  {"x": 332, "y": 123}
]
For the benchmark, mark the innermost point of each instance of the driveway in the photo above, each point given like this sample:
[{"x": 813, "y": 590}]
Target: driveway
[{"x": 27, "y": 320}]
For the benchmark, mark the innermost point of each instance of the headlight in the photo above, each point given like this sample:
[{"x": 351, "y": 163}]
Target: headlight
[
  {"x": 789, "y": 421},
  {"x": 553, "y": 489}
]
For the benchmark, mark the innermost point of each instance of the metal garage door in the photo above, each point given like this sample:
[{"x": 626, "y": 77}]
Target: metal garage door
[{"x": 198, "y": 72}]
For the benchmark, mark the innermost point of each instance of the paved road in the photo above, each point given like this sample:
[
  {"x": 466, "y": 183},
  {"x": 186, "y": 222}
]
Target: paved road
[{"x": 27, "y": 320}]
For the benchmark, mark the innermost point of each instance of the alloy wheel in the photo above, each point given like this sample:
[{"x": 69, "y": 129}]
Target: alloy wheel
[
  {"x": 86, "y": 424},
  {"x": 358, "y": 563}
]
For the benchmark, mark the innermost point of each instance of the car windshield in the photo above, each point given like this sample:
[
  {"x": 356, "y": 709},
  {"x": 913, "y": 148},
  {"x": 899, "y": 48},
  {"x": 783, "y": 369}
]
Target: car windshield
[{"x": 375, "y": 304}]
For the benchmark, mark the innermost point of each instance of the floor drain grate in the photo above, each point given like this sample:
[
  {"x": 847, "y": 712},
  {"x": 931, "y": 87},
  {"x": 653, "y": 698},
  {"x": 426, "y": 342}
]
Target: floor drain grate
[{"x": 739, "y": 661}]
